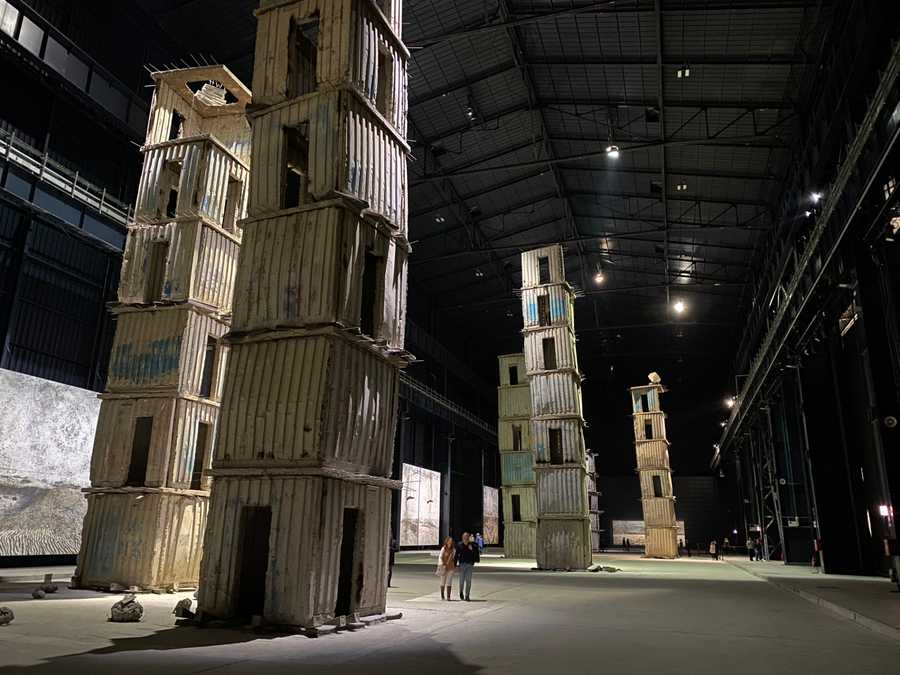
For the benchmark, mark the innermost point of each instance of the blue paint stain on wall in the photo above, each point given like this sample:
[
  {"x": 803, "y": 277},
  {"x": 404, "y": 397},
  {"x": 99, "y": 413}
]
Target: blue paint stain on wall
[
  {"x": 159, "y": 359},
  {"x": 517, "y": 468},
  {"x": 557, "y": 309},
  {"x": 531, "y": 312}
]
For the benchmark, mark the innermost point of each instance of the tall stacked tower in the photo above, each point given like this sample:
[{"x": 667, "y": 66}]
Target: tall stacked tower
[
  {"x": 299, "y": 520},
  {"x": 516, "y": 458},
  {"x": 148, "y": 500},
  {"x": 652, "y": 448},
  {"x": 548, "y": 304}
]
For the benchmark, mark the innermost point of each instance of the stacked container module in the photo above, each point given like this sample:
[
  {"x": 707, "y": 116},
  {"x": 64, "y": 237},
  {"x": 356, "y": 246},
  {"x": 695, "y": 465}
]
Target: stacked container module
[
  {"x": 149, "y": 494},
  {"x": 516, "y": 458},
  {"x": 593, "y": 503},
  {"x": 563, "y": 538},
  {"x": 299, "y": 521},
  {"x": 652, "y": 448}
]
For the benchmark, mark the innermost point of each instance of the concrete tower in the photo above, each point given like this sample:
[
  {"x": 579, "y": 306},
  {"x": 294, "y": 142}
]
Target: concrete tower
[
  {"x": 299, "y": 521},
  {"x": 563, "y": 523},
  {"x": 147, "y": 504},
  {"x": 652, "y": 448},
  {"x": 516, "y": 458}
]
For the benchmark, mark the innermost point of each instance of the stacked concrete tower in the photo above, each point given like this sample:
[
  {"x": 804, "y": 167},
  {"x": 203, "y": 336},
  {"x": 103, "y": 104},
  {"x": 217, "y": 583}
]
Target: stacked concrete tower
[
  {"x": 299, "y": 521},
  {"x": 548, "y": 302},
  {"x": 148, "y": 500},
  {"x": 652, "y": 449},
  {"x": 516, "y": 458}
]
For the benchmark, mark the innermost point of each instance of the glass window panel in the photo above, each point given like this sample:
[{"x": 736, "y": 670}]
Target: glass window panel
[{"x": 31, "y": 36}]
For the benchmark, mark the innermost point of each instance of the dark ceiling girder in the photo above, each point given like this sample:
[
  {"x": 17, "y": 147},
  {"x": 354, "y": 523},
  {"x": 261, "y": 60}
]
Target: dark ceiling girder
[{"x": 674, "y": 197}]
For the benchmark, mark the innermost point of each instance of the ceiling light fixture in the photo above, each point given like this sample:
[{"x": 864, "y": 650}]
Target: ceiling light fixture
[
  {"x": 439, "y": 219},
  {"x": 681, "y": 187},
  {"x": 479, "y": 273},
  {"x": 684, "y": 72},
  {"x": 612, "y": 151},
  {"x": 679, "y": 306},
  {"x": 816, "y": 197},
  {"x": 599, "y": 278},
  {"x": 729, "y": 402}
]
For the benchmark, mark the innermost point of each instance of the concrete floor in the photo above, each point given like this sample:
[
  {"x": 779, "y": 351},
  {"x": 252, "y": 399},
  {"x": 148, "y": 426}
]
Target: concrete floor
[{"x": 685, "y": 616}]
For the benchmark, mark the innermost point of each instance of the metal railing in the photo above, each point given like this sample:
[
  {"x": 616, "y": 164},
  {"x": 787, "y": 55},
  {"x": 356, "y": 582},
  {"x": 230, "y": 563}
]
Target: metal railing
[{"x": 51, "y": 172}]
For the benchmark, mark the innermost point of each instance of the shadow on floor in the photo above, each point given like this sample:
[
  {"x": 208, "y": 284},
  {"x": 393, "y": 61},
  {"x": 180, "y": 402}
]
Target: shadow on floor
[{"x": 174, "y": 650}]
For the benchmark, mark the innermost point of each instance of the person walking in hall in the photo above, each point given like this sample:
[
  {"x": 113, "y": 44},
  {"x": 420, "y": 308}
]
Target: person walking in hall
[
  {"x": 759, "y": 550},
  {"x": 726, "y": 547},
  {"x": 479, "y": 540},
  {"x": 713, "y": 550},
  {"x": 751, "y": 549},
  {"x": 446, "y": 567},
  {"x": 466, "y": 557},
  {"x": 687, "y": 547}
]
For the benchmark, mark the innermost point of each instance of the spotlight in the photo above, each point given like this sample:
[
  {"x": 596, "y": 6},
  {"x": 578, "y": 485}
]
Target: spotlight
[
  {"x": 599, "y": 278},
  {"x": 722, "y": 423},
  {"x": 680, "y": 187},
  {"x": 816, "y": 197},
  {"x": 729, "y": 402},
  {"x": 612, "y": 151},
  {"x": 439, "y": 219},
  {"x": 478, "y": 273},
  {"x": 807, "y": 213},
  {"x": 679, "y": 306}
]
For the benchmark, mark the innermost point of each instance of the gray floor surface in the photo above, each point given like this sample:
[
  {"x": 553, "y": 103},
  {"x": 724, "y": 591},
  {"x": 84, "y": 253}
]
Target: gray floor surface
[{"x": 686, "y": 616}]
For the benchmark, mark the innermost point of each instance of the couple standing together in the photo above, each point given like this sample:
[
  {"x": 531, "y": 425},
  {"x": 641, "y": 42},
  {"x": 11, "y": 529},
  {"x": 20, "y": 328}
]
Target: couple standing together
[{"x": 464, "y": 555}]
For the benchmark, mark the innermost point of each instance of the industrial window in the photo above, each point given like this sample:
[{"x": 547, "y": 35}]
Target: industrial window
[
  {"x": 556, "y": 452},
  {"x": 384, "y": 84},
  {"x": 156, "y": 271},
  {"x": 645, "y": 402},
  {"x": 176, "y": 125},
  {"x": 168, "y": 188},
  {"x": 516, "y": 508},
  {"x": 516, "y": 437},
  {"x": 543, "y": 307},
  {"x": 648, "y": 429},
  {"x": 513, "y": 375},
  {"x": 200, "y": 452},
  {"x": 140, "y": 451},
  {"x": 303, "y": 43},
  {"x": 544, "y": 270},
  {"x": 369, "y": 304},
  {"x": 657, "y": 486},
  {"x": 295, "y": 190},
  {"x": 232, "y": 203},
  {"x": 549, "y": 345},
  {"x": 209, "y": 360}
]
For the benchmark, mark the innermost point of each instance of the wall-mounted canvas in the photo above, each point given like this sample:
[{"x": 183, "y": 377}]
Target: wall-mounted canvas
[
  {"x": 420, "y": 506},
  {"x": 491, "y": 507}
]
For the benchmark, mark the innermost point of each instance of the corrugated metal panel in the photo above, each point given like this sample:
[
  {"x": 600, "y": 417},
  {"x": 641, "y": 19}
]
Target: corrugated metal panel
[
  {"x": 149, "y": 540},
  {"x": 561, "y": 491},
  {"x": 563, "y": 544},
  {"x": 161, "y": 349},
  {"x": 188, "y": 415},
  {"x": 555, "y": 393},
  {"x": 652, "y": 394},
  {"x": 113, "y": 441},
  {"x": 519, "y": 540},
  {"x": 505, "y": 434},
  {"x": 661, "y": 542},
  {"x": 213, "y": 279},
  {"x": 531, "y": 265},
  {"x": 657, "y": 421},
  {"x": 572, "y": 439},
  {"x": 273, "y": 291},
  {"x": 517, "y": 467},
  {"x": 517, "y": 361},
  {"x": 658, "y": 512},
  {"x": 305, "y": 399},
  {"x": 304, "y": 553},
  {"x": 564, "y": 348},
  {"x": 652, "y": 455},
  {"x": 527, "y": 504},
  {"x": 514, "y": 402},
  {"x": 665, "y": 479},
  {"x": 560, "y": 303}
]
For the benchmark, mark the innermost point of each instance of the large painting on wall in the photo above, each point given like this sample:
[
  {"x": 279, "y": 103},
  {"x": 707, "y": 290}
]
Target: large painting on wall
[
  {"x": 420, "y": 507},
  {"x": 491, "y": 507},
  {"x": 46, "y": 437},
  {"x": 633, "y": 530}
]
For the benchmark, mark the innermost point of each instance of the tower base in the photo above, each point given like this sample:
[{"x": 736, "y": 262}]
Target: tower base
[
  {"x": 563, "y": 543},
  {"x": 518, "y": 539},
  {"x": 142, "y": 538},
  {"x": 297, "y": 549},
  {"x": 661, "y": 542}
]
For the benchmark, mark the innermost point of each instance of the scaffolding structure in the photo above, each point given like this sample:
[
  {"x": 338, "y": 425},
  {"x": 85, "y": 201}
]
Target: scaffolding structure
[
  {"x": 149, "y": 494},
  {"x": 516, "y": 458},
  {"x": 563, "y": 536},
  {"x": 652, "y": 449}
]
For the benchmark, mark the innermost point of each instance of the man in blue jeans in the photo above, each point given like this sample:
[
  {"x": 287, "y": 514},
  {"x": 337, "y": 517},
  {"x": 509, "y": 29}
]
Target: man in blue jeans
[{"x": 466, "y": 557}]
